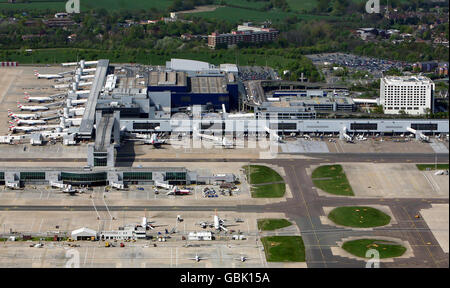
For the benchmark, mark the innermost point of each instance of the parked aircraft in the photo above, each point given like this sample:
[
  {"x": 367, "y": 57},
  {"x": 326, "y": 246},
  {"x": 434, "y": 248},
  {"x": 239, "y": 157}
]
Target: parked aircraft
[
  {"x": 242, "y": 258},
  {"x": 218, "y": 224},
  {"x": 24, "y": 128},
  {"x": 148, "y": 224},
  {"x": 177, "y": 191},
  {"x": 197, "y": 258},
  {"x": 37, "y": 99},
  {"x": 361, "y": 138},
  {"x": 23, "y": 116},
  {"x": 27, "y": 122},
  {"x": 47, "y": 76},
  {"x": 31, "y": 108}
]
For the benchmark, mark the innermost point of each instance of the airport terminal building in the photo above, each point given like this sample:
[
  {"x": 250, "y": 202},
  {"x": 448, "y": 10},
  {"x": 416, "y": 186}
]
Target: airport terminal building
[{"x": 105, "y": 176}]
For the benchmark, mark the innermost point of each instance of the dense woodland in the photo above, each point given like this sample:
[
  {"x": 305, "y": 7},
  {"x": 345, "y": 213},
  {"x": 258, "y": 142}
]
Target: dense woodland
[{"x": 111, "y": 32}]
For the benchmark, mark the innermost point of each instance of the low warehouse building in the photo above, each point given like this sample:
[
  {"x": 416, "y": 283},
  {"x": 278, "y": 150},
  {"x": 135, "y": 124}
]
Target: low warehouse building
[
  {"x": 200, "y": 236},
  {"x": 84, "y": 234}
]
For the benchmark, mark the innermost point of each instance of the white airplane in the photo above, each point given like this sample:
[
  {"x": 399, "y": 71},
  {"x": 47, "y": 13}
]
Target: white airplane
[
  {"x": 163, "y": 185},
  {"x": 37, "y": 99},
  {"x": 440, "y": 172},
  {"x": 27, "y": 122},
  {"x": 148, "y": 224},
  {"x": 117, "y": 186},
  {"x": 361, "y": 138},
  {"x": 58, "y": 185},
  {"x": 242, "y": 258},
  {"x": 31, "y": 108},
  {"x": 24, "y": 128},
  {"x": 13, "y": 186},
  {"x": 70, "y": 190},
  {"x": 47, "y": 76},
  {"x": 218, "y": 224},
  {"x": 177, "y": 191},
  {"x": 197, "y": 258},
  {"x": 23, "y": 116}
]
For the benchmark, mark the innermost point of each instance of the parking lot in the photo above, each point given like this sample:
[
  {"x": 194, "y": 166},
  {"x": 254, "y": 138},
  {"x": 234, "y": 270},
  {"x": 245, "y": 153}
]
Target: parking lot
[{"x": 355, "y": 62}]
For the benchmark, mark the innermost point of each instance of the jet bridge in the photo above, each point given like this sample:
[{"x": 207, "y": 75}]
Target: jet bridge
[{"x": 102, "y": 152}]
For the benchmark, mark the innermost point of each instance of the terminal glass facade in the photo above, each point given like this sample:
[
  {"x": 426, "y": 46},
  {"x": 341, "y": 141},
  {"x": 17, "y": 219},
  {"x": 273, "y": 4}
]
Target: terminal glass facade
[
  {"x": 424, "y": 126},
  {"x": 136, "y": 176},
  {"x": 363, "y": 126},
  {"x": 176, "y": 176},
  {"x": 90, "y": 178},
  {"x": 2, "y": 176},
  {"x": 100, "y": 159},
  {"x": 24, "y": 176}
]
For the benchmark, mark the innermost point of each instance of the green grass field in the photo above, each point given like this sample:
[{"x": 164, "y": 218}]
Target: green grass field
[
  {"x": 332, "y": 179},
  {"x": 233, "y": 14},
  {"x": 244, "y": 3},
  {"x": 359, "y": 216},
  {"x": 284, "y": 248},
  {"x": 387, "y": 249},
  {"x": 269, "y": 191},
  {"x": 272, "y": 224},
  {"x": 424, "y": 167},
  {"x": 270, "y": 180},
  {"x": 262, "y": 174}
]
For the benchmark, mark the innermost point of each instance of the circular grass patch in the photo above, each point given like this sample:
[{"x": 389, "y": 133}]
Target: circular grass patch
[
  {"x": 359, "y": 217},
  {"x": 387, "y": 249}
]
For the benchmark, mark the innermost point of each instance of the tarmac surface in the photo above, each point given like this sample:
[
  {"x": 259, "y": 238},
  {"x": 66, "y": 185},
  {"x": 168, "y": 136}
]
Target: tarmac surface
[{"x": 305, "y": 208}]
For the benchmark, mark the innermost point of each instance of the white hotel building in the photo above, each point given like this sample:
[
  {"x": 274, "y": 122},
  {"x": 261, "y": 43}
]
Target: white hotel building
[{"x": 412, "y": 94}]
